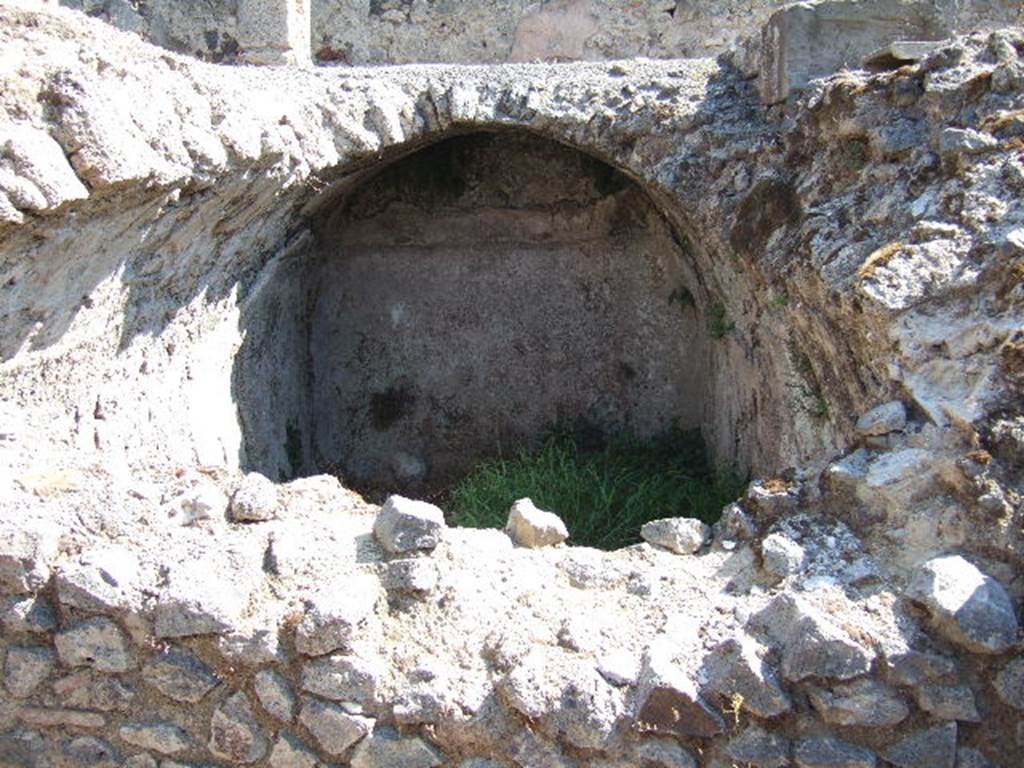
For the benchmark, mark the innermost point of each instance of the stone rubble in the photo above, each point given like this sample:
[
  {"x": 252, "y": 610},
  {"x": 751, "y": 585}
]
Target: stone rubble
[{"x": 681, "y": 535}]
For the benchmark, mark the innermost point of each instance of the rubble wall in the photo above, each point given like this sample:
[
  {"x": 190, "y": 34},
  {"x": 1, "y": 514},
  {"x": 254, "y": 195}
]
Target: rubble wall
[{"x": 859, "y": 605}]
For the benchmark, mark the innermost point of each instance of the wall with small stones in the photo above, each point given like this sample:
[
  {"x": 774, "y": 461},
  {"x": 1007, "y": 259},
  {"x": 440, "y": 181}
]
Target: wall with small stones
[{"x": 859, "y": 605}]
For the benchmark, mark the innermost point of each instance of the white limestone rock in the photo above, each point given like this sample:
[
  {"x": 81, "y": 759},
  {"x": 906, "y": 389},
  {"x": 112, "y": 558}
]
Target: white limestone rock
[
  {"x": 781, "y": 556},
  {"x": 405, "y": 525},
  {"x": 254, "y": 501},
  {"x": 335, "y": 614},
  {"x": 530, "y": 527},
  {"x": 682, "y": 535}
]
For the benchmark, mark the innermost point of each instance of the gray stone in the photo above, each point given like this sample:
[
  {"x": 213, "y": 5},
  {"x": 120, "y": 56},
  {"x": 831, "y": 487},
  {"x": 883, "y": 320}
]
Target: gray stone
[
  {"x": 179, "y": 675},
  {"x": 866, "y": 703},
  {"x": 414, "y": 576},
  {"x": 21, "y": 748},
  {"x": 274, "y": 32},
  {"x": 46, "y": 717},
  {"x": 289, "y": 752},
  {"x": 29, "y": 614},
  {"x": 770, "y": 499},
  {"x": 736, "y": 666},
  {"x": 342, "y": 678},
  {"x": 384, "y": 748},
  {"x": 883, "y": 419},
  {"x": 102, "y": 579},
  {"x": 200, "y": 598},
  {"x": 25, "y": 668},
  {"x": 334, "y": 729},
  {"x": 756, "y": 747},
  {"x": 901, "y": 52},
  {"x": 404, "y": 525},
  {"x": 914, "y": 668},
  {"x": 530, "y": 527},
  {"x": 781, "y": 556},
  {"x": 830, "y": 752},
  {"x": 669, "y": 703},
  {"x": 25, "y": 559},
  {"x": 957, "y": 141},
  {"x": 1009, "y": 683},
  {"x": 948, "y": 702},
  {"x": 85, "y": 690},
  {"x": 163, "y": 738},
  {"x": 565, "y": 696},
  {"x": 92, "y": 752},
  {"x": 141, "y": 760},
  {"x": 967, "y": 606},
  {"x": 682, "y": 535},
  {"x": 97, "y": 643},
  {"x": 334, "y": 615},
  {"x": 931, "y": 748},
  {"x": 735, "y": 524},
  {"x": 274, "y": 694},
  {"x": 254, "y": 501},
  {"x": 664, "y": 753},
  {"x": 234, "y": 733},
  {"x": 968, "y": 757},
  {"x": 804, "y": 41},
  {"x": 813, "y": 646}
]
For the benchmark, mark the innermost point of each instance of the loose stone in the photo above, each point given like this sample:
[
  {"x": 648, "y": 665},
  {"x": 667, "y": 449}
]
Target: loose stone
[
  {"x": 275, "y": 695},
  {"x": 682, "y": 535},
  {"x": 234, "y": 733},
  {"x": 415, "y": 576},
  {"x": 915, "y": 668},
  {"x": 530, "y": 527},
  {"x": 255, "y": 500},
  {"x": 781, "y": 556},
  {"x": 179, "y": 675},
  {"x": 96, "y": 643},
  {"x": 404, "y": 525}
]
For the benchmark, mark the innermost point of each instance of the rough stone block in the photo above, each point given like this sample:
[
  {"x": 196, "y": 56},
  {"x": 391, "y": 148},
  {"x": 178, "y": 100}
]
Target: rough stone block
[
  {"x": 234, "y": 733},
  {"x": 531, "y": 527},
  {"x": 274, "y": 31},
  {"x": 405, "y": 525},
  {"x": 179, "y": 675},
  {"x": 97, "y": 643},
  {"x": 808, "y": 40},
  {"x": 968, "y": 607},
  {"x": 275, "y": 695},
  {"x": 682, "y": 535}
]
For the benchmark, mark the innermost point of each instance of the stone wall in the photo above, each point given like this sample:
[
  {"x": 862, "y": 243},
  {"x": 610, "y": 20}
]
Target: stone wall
[
  {"x": 493, "y": 31},
  {"x": 857, "y": 261}
]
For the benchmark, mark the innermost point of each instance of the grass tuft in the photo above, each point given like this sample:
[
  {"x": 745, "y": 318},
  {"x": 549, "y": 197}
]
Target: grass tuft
[{"x": 604, "y": 495}]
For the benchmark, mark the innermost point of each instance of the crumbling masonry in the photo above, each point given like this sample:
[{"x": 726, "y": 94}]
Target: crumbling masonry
[{"x": 831, "y": 270}]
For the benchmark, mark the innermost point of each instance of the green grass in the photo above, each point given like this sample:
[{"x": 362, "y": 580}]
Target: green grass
[{"x": 605, "y": 494}]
